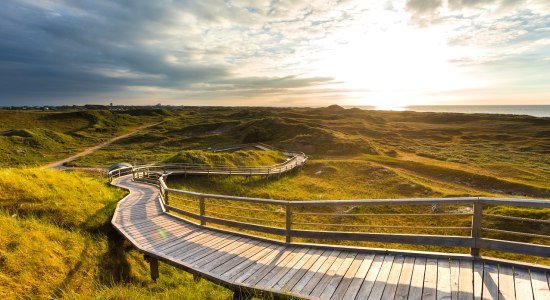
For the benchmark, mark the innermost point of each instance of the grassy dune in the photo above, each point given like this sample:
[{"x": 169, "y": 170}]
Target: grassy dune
[
  {"x": 30, "y": 138},
  {"x": 56, "y": 241},
  {"x": 57, "y": 225}
]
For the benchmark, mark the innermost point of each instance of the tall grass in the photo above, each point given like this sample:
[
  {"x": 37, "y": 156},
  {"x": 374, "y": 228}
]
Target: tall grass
[{"x": 56, "y": 241}]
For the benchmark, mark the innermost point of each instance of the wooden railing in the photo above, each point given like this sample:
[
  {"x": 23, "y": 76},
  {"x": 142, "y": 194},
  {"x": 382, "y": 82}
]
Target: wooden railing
[
  {"x": 470, "y": 216},
  {"x": 472, "y": 222}
]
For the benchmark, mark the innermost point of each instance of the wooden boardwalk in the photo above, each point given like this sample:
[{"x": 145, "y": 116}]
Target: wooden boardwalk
[{"x": 245, "y": 263}]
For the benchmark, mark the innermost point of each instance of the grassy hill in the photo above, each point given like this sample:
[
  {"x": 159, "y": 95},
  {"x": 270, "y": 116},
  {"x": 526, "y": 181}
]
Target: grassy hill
[
  {"x": 56, "y": 241},
  {"x": 57, "y": 224},
  {"x": 29, "y": 138}
]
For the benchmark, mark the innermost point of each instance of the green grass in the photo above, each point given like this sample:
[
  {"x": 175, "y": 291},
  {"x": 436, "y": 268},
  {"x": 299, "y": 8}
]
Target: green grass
[
  {"x": 354, "y": 154},
  {"x": 235, "y": 158},
  {"x": 56, "y": 241},
  {"x": 31, "y": 138}
]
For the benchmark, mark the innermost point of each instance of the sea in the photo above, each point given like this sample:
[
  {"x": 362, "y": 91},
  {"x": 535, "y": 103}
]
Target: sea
[{"x": 531, "y": 110}]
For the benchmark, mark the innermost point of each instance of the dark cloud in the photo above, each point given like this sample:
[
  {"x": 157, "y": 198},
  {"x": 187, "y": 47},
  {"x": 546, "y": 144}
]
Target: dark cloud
[{"x": 80, "y": 51}]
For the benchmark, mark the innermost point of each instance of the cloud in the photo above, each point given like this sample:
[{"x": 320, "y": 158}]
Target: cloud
[{"x": 90, "y": 51}]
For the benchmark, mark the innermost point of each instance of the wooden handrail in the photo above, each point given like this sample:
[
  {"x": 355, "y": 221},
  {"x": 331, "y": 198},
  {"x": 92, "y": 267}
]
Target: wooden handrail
[{"x": 476, "y": 241}]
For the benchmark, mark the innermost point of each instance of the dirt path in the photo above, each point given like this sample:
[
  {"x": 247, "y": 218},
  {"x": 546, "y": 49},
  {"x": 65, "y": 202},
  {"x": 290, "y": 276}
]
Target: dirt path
[{"x": 60, "y": 164}]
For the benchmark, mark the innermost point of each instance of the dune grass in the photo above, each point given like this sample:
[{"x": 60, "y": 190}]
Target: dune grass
[{"x": 56, "y": 241}]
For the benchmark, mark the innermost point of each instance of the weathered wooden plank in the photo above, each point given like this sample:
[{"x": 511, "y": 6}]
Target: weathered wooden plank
[
  {"x": 450, "y": 241},
  {"x": 314, "y": 280},
  {"x": 334, "y": 279},
  {"x": 417, "y": 280},
  {"x": 380, "y": 283},
  {"x": 301, "y": 265},
  {"x": 393, "y": 278},
  {"x": 522, "y": 280},
  {"x": 281, "y": 259},
  {"x": 430, "y": 280},
  {"x": 279, "y": 271},
  {"x": 315, "y": 290},
  {"x": 247, "y": 256},
  {"x": 443, "y": 279},
  {"x": 194, "y": 240},
  {"x": 212, "y": 249},
  {"x": 358, "y": 270},
  {"x": 540, "y": 285},
  {"x": 247, "y": 267},
  {"x": 506, "y": 286},
  {"x": 237, "y": 252},
  {"x": 466, "y": 281},
  {"x": 455, "y": 277},
  {"x": 309, "y": 268},
  {"x": 478, "y": 279},
  {"x": 328, "y": 257},
  {"x": 490, "y": 281},
  {"x": 403, "y": 286},
  {"x": 370, "y": 279},
  {"x": 188, "y": 251},
  {"x": 185, "y": 240},
  {"x": 220, "y": 254}
]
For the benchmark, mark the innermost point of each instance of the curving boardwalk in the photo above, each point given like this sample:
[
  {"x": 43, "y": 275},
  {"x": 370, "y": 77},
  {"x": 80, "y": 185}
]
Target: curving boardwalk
[{"x": 247, "y": 264}]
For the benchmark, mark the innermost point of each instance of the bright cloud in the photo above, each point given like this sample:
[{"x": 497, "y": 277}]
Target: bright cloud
[{"x": 275, "y": 52}]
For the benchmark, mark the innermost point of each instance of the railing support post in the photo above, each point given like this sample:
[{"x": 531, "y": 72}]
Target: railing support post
[
  {"x": 288, "y": 239},
  {"x": 166, "y": 199},
  {"x": 201, "y": 211},
  {"x": 476, "y": 226},
  {"x": 153, "y": 267}
]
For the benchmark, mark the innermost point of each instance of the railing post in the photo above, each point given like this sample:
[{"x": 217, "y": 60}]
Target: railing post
[
  {"x": 201, "y": 211},
  {"x": 166, "y": 199},
  {"x": 288, "y": 239},
  {"x": 476, "y": 226}
]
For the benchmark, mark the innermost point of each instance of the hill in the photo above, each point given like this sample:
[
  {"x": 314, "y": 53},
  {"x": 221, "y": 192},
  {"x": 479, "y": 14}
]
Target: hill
[{"x": 56, "y": 241}]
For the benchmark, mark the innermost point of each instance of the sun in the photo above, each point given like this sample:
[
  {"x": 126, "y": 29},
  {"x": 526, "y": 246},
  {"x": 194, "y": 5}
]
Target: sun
[{"x": 395, "y": 66}]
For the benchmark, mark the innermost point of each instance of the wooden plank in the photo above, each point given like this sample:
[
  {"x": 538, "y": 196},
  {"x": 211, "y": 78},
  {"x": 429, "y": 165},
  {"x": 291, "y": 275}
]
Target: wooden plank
[
  {"x": 370, "y": 279},
  {"x": 320, "y": 267},
  {"x": 188, "y": 251},
  {"x": 249, "y": 263},
  {"x": 314, "y": 280},
  {"x": 221, "y": 254},
  {"x": 335, "y": 279},
  {"x": 478, "y": 279},
  {"x": 380, "y": 283},
  {"x": 522, "y": 280},
  {"x": 430, "y": 280},
  {"x": 393, "y": 278},
  {"x": 466, "y": 281},
  {"x": 315, "y": 288},
  {"x": 540, "y": 285},
  {"x": 241, "y": 258},
  {"x": 516, "y": 247},
  {"x": 303, "y": 265},
  {"x": 237, "y": 252},
  {"x": 185, "y": 240},
  {"x": 455, "y": 278},
  {"x": 356, "y": 272},
  {"x": 506, "y": 289},
  {"x": 280, "y": 259},
  {"x": 490, "y": 281},
  {"x": 281, "y": 270},
  {"x": 417, "y": 280},
  {"x": 443, "y": 279},
  {"x": 403, "y": 286},
  {"x": 311, "y": 263},
  {"x": 192, "y": 241},
  {"x": 427, "y": 239},
  {"x": 206, "y": 250}
]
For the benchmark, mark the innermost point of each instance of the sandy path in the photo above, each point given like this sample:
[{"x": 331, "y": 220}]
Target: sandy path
[{"x": 60, "y": 163}]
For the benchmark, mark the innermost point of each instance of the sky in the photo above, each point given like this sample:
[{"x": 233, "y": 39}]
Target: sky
[{"x": 275, "y": 53}]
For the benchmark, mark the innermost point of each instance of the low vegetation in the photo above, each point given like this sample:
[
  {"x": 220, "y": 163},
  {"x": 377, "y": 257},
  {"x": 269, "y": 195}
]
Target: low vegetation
[
  {"x": 56, "y": 241},
  {"x": 58, "y": 224}
]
